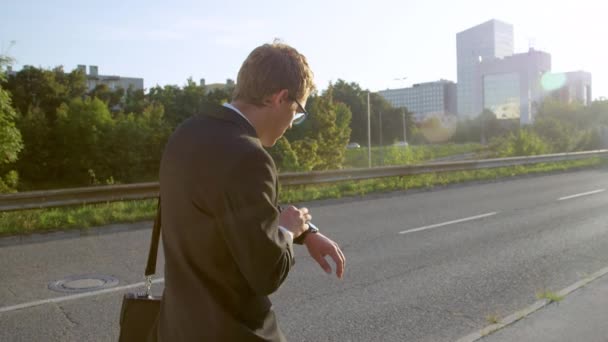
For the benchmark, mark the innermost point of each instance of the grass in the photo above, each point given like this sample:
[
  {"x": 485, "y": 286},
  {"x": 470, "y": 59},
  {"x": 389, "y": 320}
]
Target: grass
[
  {"x": 493, "y": 319},
  {"x": 82, "y": 217},
  {"x": 401, "y": 155},
  {"x": 44, "y": 220},
  {"x": 304, "y": 193},
  {"x": 549, "y": 295}
]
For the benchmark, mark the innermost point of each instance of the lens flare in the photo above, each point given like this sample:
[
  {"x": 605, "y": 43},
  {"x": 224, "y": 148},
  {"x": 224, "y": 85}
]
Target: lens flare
[
  {"x": 553, "y": 81},
  {"x": 438, "y": 127}
]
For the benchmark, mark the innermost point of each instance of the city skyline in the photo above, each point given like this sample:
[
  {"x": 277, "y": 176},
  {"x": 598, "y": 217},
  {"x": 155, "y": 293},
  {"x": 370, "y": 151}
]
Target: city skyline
[{"x": 369, "y": 45}]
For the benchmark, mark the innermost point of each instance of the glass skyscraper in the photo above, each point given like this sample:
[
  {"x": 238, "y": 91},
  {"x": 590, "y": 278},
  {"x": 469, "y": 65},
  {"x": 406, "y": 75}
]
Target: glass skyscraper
[
  {"x": 512, "y": 86},
  {"x": 492, "y": 39}
]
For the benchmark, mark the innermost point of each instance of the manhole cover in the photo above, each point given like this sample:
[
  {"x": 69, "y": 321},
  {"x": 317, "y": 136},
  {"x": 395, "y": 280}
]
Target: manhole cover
[{"x": 83, "y": 283}]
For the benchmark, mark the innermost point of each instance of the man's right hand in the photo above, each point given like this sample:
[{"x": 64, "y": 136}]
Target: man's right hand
[{"x": 295, "y": 219}]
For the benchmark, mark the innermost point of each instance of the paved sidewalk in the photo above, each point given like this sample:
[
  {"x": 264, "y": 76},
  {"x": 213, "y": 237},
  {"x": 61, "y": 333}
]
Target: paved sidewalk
[{"x": 580, "y": 316}]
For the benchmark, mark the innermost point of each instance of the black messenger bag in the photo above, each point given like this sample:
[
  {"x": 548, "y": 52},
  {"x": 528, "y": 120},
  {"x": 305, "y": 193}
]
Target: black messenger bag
[{"x": 140, "y": 310}]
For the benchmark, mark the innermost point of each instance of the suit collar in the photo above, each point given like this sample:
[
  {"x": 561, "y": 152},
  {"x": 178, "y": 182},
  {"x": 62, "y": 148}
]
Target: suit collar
[{"x": 227, "y": 114}]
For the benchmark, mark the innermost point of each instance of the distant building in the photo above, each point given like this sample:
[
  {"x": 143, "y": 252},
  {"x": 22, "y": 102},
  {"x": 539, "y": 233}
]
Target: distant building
[
  {"x": 113, "y": 82},
  {"x": 574, "y": 86},
  {"x": 511, "y": 86},
  {"x": 214, "y": 86},
  {"x": 492, "y": 39},
  {"x": 424, "y": 99},
  {"x": 9, "y": 71}
]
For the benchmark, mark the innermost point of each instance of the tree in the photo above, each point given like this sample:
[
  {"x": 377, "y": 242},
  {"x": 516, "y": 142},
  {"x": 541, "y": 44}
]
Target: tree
[
  {"x": 467, "y": 130},
  {"x": 10, "y": 137},
  {"x": 168, "y": 96},
  {"x": 182, "y": 103},
  {"x": 219, "y": 96},
  {"x": 134, "y": 100},
  {"x": 37, "y": 163},
  {"x": 75, "y": 82},
  {"x": 355, "y": 98},
  {"x": 70, "y": 138},
  {"x": 45, "y": 89},
  {"x": 112, "y": 98},
  {"x": 392, "y": 124},
  {"x": 333, "y": 132},
  {"x": 135, "y": 144},
  {"x": 597, "y": 112},
  {"x": 320, "y": 142},
  {"x": 307, "y": 155},
  {"x": 492, "y": 127},
  {"x": 284, "y": 156},
  {"x": 485, "y": 127},
  {"x": 565, "y": 126},
  {"x": 82, "y": 131}
]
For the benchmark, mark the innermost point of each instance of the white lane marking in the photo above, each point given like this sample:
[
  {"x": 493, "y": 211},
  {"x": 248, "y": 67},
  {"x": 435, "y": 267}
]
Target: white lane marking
[
  {"x": 75, "y": 296},
  {"x": 582, "y": 194},
  {"x": 449, "y": 222}
]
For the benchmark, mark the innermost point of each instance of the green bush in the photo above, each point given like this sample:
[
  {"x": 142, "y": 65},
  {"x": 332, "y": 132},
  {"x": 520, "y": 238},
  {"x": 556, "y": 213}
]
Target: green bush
[
  {"x": 284, "y": 156},
  {"x": 523, "y": 143}
]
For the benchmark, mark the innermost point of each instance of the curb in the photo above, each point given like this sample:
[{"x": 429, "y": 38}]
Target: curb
[{"x": 512, "y": 318}]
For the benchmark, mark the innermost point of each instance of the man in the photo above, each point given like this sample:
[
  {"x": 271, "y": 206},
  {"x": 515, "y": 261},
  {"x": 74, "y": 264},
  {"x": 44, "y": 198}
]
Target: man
[{"x": 227, "y": 245}]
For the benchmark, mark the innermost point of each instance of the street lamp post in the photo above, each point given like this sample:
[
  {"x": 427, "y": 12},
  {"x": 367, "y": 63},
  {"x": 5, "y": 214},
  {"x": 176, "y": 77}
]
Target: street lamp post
[
  {"x": 403, "y": 111},
  {"x": 380, "y": 126},
  {"x": 369, "y": 134},
  {"x": 381, "y": 145},
  {"x": 404, "y": 125}
]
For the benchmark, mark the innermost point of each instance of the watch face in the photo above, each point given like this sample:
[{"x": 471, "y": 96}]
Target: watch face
[{"x": 312, "y": 228}]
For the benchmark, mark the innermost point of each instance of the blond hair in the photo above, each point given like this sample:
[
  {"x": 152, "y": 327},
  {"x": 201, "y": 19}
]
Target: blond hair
[{"x": 270, "y": 68}]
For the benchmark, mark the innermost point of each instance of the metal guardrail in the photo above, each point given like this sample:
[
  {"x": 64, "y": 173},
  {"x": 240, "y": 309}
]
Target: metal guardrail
[
  {"x": 77, "y": 196},
  {"x": 115, "y": 193}
]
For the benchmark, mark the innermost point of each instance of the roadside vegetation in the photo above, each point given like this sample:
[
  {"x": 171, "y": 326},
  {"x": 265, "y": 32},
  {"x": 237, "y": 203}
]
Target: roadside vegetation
[
  {"x": 56, "y": 133},
  {"x": 404, "y": 155},
  {"x": 82, "y": 217}
]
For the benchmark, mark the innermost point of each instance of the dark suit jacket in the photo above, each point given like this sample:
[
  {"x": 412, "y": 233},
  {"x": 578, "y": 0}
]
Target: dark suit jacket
[{"x": 224, "y": 253}]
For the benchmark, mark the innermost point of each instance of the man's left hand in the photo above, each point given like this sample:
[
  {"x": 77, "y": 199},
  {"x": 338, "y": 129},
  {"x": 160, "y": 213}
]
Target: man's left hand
[{"x": 319, "y": 246}]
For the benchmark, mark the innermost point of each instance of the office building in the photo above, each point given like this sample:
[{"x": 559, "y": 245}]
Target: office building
[
  {"x": 568, "y": 87},
  {"x": 113, "y": 82},
  {"x": 492, "y": 39},
  {"x": 228, "y": 86},
  {"x": 511, "y": 87},
  {"x": 424, "y": 99}
]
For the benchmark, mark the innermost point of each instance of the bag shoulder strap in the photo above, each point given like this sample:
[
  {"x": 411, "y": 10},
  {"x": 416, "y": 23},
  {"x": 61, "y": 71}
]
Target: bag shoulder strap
[{"x": 152, "y": 254}]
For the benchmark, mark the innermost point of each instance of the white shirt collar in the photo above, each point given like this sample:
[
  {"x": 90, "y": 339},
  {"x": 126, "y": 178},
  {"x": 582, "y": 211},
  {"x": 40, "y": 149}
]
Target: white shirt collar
[{"x": 228, "y": 105}]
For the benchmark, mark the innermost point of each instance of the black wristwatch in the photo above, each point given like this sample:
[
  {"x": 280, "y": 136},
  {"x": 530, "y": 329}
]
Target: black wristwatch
[{"x": 312, "y": 229}]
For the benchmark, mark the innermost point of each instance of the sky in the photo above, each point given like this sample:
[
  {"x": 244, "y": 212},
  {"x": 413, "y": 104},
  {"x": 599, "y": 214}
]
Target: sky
[{"x": 371, "y": 43}]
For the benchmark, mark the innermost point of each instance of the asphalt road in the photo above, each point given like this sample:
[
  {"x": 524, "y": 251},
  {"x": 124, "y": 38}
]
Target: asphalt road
[{"x": 425, "y": 266}]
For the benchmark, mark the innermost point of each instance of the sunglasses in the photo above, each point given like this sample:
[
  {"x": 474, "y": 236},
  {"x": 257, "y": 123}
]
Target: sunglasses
[{"x": 300, "y": 115}]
